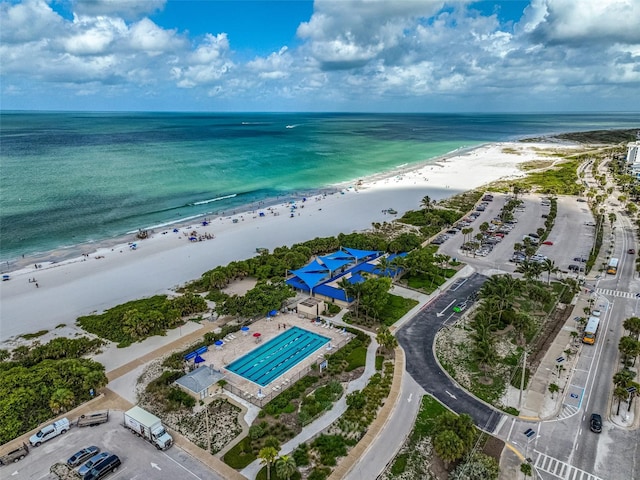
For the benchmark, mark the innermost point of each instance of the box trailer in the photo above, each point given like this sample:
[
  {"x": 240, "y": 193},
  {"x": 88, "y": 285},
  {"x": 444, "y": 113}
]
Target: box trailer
[{"x": 147, "y": 426}]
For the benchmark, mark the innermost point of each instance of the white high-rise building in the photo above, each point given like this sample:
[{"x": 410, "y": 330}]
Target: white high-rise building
[{"x": 633, "y": 153}]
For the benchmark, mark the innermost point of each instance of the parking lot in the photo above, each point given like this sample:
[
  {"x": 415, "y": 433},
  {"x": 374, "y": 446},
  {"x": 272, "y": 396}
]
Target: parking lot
[
  {"x": 140, "y": 460},
  {"x": 571, "y": 237}
]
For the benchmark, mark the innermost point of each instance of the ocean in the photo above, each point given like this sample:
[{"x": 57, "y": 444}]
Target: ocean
[{"x": 72, "y": 181}]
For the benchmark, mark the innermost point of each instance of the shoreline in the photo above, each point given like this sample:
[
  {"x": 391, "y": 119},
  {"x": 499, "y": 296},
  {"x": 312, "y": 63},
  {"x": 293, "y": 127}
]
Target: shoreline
[
  {"x": 116, "y": 274},
  {"x": 74, "y": 252}
]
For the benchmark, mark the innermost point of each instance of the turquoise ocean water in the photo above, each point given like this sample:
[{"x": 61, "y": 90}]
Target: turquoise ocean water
[{"x": 73, "y": 180}]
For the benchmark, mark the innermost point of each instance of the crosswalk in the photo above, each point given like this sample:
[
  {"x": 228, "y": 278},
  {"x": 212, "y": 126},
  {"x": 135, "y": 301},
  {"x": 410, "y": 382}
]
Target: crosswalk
[
  {"x": 568, "y": 411},
  {"x": 561, "y": 470},
  {"x": 615, "y": 293}
]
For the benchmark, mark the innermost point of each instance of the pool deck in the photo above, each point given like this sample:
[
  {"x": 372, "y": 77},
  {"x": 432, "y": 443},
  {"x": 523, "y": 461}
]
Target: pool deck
[{"x": 239, "y": 344}]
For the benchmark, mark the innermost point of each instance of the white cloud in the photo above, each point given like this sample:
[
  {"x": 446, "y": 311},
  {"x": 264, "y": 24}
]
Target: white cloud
[
  {"x": 128, "y": 9},
  {"x": 92, "y": 36},
  {"x": 276, "y": 66},
  {"x": 146, "y": 36},
  {"x": 352, "y": 54},
  {"x": 28, "y": 21},
  {"x": 589, "y": 21}
]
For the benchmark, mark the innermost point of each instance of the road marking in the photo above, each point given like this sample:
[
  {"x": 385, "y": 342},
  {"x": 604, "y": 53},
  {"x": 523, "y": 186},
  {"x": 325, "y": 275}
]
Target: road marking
[
  {"x": 561, "y": 469},
  {"x": 155, "y": 465},
  {"x": 14, "y": 473},
  {"x": 450, "y": 394},
  {"x": 441, "y": 313},
  {"x": 615, "y": 293},
  {"x": 182, "y": 466},
  {"x": 410, "y": 397}
]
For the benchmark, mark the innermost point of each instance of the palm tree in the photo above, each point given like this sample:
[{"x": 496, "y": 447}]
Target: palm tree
[
  {"x": 386, "y": 339},
  {"x": 61, "y": 400},
  {"x": 448, "y": 446},
  {"x": 629, "y": 348},
  {"x": 623, "y": 378},
  {"x": 620, "y": 394},
  {"x": 383, "y": 266},
  {"x": 549, "y": 266},
  {"x": 285, "y": 467},
  {"x": 633, "y": 325},
  {"x": 427, "y": 203},
  {"x": 267, "y": 455},
  {"x": 553, "y": 388}
]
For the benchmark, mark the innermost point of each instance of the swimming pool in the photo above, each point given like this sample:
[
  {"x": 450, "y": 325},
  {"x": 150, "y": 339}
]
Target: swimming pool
[{"x": 269, "y": 361}]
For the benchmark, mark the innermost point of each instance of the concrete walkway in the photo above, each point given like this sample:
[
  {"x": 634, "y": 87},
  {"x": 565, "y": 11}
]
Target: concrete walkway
[{"x": 324, "y": 421}]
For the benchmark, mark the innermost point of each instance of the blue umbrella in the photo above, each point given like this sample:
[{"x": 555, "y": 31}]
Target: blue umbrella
[
  {"x": 198, "y": 359},
  {"x": 245, "y": 328},
  {"x": 219, "y": 343}
]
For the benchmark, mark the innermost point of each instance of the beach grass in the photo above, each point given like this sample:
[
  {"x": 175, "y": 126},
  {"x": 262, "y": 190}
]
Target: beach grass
[{"x": 31, "y": 336}]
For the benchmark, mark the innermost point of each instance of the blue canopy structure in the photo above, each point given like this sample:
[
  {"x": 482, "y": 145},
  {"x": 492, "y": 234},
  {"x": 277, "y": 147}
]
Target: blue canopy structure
[
  {"x": 361, "y": 254},
  {"x": 336, "y": 260},
  {"x": 312, "y": 274},
  {"x": 356, "y": 278}
]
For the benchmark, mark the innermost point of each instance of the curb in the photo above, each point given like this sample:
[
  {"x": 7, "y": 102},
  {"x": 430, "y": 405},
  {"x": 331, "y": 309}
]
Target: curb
[{"x": 349, "y": 462}]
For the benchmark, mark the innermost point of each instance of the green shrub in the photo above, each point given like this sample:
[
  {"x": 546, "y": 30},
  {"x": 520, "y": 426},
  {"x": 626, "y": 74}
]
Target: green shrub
[
  {"x": 330, "y": 447},
  {"x": 180, "y": 399},
  {"x": 319, "y": 473},
  {"x": 301, "y": 455},
  {"x": 400, "y": 464}
]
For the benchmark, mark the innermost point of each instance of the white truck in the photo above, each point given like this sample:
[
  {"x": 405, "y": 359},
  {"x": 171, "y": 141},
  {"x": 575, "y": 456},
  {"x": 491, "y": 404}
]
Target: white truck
[
  {"x": 47, "y": 433},
  {"x": 147, "y": 426}
]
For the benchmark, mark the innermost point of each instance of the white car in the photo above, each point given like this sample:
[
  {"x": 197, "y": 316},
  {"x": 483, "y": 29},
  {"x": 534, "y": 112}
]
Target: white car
[{"x": 596, "y": 313}]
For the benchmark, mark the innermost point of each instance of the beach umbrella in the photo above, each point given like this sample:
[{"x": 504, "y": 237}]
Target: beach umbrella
[
  {"x": 257, "y": 334},
  {"x": 175, "y": 230},
  {"x": 273, "y": 313},
  {"x": 218, "y": 344},
  {"x": 245, "y": 330},
  {"x": 198, "y": 359}
]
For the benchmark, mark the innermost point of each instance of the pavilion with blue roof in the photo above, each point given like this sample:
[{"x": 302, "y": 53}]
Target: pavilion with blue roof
[{"x": 319, "y": 278}]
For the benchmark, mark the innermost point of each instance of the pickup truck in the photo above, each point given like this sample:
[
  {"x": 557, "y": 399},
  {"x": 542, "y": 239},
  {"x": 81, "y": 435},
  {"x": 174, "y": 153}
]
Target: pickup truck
[
  {"x": 50, "y": 431},
  {"x": 93, "y": 419},
  {"x": 15, "y": 455}
]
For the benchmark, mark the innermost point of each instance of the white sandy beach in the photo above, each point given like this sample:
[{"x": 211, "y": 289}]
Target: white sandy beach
[{"x": 110, "y": 277}]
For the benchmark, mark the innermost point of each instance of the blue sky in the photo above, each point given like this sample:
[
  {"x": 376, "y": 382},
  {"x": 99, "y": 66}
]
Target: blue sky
[{"x": 322, "y": 55}]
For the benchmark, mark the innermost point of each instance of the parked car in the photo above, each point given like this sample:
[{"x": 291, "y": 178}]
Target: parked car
[
  {"x": 92, "y": 462},
  {"x": 595, "y": 423},
  {"x": 631, "y": 251},
  {"x": 52, "y": 430},
  {"x": 596, "y": 313},
  {"x": 82, "y": 455},
  {"x": 460, "y": 307},
  {"x": 547, "y": 242},
  {"x": 109, "y": 464}
]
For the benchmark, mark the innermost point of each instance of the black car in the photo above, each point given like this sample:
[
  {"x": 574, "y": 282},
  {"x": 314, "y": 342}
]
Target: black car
[
  {"x": 595, "y": 423},
  {"x": 109, "y": 464},
  {"x": 82, "y": 455}
]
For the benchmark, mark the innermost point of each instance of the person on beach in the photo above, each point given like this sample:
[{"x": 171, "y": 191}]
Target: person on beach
[{"x": 37, "y": 286}]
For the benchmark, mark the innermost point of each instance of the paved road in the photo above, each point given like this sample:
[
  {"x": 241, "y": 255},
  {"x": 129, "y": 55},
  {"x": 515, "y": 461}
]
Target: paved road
[
  {"x": 392, "y": 436},
  {"x": 417, "y": 338}
]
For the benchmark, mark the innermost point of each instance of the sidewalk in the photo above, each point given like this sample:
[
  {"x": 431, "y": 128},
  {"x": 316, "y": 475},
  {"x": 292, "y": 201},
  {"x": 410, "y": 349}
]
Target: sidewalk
[{"x": 324, "y": 421}]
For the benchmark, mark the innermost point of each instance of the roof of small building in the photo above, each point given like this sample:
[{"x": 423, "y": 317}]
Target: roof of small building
[{"x": 200, "y": 379}]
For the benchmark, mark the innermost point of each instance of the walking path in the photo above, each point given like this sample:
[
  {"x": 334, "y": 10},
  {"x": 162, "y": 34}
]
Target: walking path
[{"x": 324, "y": 421}]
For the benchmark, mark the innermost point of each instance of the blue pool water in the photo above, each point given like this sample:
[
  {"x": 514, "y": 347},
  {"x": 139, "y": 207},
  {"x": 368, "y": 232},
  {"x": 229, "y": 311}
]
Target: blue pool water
[{"x": 275, "y": 357}]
